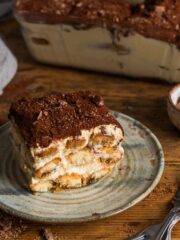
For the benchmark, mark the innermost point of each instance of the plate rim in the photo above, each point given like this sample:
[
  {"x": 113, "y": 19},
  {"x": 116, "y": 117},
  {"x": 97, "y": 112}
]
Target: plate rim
[{"x": 109, "y": 213}]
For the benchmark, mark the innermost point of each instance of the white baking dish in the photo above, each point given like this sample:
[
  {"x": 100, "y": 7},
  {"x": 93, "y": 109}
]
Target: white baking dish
[{"x": 98, "y": 49}]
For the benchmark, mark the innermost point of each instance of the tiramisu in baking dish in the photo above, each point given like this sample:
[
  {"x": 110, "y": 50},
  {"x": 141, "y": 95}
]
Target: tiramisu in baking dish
[
  {"x": 65, "y": 140},
  {"x": 138, "y": 38}
]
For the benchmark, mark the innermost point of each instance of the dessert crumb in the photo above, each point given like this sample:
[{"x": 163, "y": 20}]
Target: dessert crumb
[
  {"x": 47, "y": 234},
  {"x": 11, "y": 227},
  {"x": 129, "y": 229}
]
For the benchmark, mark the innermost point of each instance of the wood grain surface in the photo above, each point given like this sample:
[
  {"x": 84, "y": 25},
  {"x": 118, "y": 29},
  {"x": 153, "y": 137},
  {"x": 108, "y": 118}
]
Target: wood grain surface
[{"x": 145, "y": 101}]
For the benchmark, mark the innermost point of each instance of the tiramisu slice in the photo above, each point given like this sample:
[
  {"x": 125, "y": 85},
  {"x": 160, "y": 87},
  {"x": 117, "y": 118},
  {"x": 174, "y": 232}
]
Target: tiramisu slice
[{"x": 65, "y": 140}]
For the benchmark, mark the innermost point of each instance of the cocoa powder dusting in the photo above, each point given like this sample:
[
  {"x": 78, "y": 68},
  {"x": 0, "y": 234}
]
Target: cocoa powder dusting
[
  {"x": 129, "y": 228},
  {"x": 164, "y": 190},
  {"x": 11, "y": 227},
  {"x": 118, "y": 14},
  {"x": 42, "y": 120}
]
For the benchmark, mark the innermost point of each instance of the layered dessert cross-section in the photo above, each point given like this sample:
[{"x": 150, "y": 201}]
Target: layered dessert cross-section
[{"x": 65, "y": 140}]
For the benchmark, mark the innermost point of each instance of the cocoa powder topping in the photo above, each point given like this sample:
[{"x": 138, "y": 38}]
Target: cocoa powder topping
[
  {"x": 159, "y": 19},
  {"x": 42, "y": 120}
]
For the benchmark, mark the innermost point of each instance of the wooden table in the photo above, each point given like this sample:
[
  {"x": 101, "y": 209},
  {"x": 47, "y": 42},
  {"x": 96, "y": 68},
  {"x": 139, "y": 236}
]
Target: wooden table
[{"x": 145, "y": 101}]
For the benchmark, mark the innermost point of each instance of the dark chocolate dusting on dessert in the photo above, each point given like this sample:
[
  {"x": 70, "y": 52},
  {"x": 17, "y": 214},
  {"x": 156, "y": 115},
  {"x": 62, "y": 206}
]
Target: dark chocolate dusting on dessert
[
  {"x": 159, "y": 19},
  {"x": 58, "y": 116}
]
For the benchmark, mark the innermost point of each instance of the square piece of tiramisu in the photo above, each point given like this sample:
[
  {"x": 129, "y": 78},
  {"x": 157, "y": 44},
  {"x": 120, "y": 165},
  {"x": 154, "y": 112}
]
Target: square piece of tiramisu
[{"x": 65, "y": 140}]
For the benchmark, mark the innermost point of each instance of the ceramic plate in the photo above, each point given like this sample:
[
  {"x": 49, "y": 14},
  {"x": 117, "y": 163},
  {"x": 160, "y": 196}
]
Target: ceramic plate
[{"x": 137, "y": 176}]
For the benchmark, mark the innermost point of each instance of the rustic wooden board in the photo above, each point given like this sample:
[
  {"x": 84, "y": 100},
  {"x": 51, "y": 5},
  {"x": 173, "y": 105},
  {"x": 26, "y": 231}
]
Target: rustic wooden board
[{"x": 145, "y": 101}]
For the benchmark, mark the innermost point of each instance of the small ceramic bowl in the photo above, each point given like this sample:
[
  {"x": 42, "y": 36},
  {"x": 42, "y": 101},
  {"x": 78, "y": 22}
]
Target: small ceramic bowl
[{"x": 173, "y": 110}]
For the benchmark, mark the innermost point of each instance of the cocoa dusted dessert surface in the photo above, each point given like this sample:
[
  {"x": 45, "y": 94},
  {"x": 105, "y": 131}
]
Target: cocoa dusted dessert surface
[
  {"x": 159, "y": 19},
  {"x": 73, "y": 11},
  {"x": 58, "y": 116}
]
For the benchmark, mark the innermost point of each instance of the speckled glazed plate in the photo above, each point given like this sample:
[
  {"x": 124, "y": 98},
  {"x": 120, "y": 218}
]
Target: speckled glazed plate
[{"x": 137, "y": 176}]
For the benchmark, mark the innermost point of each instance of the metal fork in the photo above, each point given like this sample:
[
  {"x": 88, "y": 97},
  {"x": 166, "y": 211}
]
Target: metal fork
[
  {"x": 162, "y": 231},
  {"x": 169, "y": 232},
  {"x": 170, "y": 217},
  {"x": 152, "y": 231}
]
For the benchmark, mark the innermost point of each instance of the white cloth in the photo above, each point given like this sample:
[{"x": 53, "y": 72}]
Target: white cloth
[{"x": 8, "y": 65}]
